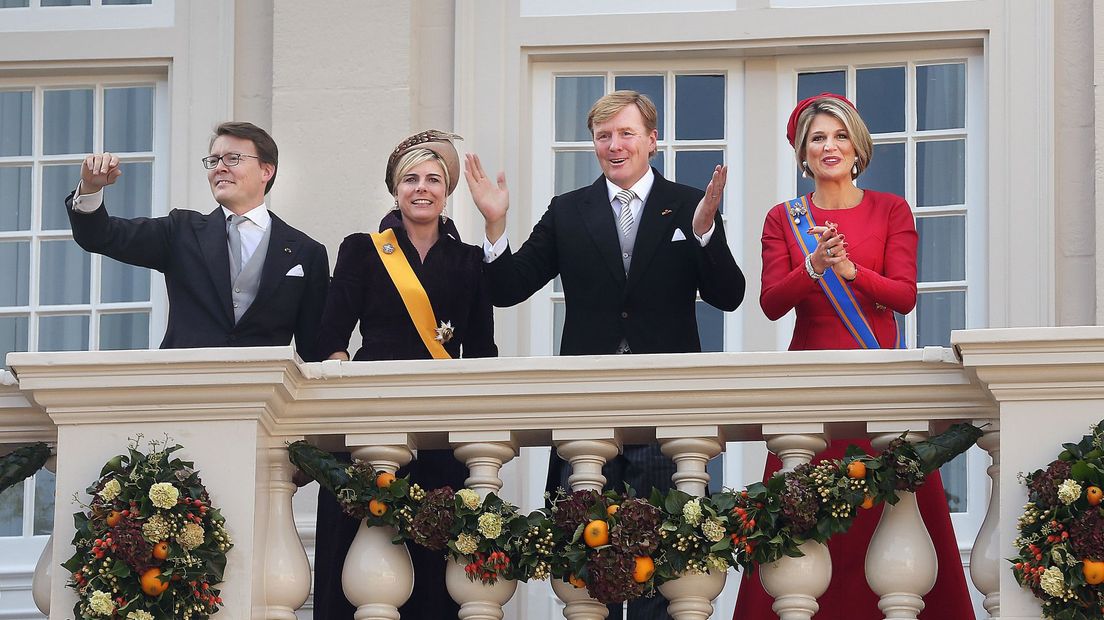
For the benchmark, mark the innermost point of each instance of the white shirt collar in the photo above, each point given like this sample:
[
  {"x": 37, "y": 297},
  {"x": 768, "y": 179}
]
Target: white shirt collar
[
  {"x": 258, "y": 215},
  {"x": 641, "y": 188}
]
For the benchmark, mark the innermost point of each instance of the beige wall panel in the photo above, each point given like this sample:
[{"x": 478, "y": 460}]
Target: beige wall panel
[
  {"x": 1098, "y": 107},
  {"x": 253, "y": 63}
]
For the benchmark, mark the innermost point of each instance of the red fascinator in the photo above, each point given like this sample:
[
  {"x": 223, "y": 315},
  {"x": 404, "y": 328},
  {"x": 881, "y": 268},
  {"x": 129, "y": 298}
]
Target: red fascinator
[{"x": 791, "y": 125}]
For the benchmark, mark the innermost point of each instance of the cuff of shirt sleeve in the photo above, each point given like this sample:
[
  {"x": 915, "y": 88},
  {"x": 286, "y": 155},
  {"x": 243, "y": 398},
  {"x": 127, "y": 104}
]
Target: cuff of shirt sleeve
[
  {"x": 87, "y": 203},
  {"x": 491, "y": 251},
  {"x": 704, "y": 239}
]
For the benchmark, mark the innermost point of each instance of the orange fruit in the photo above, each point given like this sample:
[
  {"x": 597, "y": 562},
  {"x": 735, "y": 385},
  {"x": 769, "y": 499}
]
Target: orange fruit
[
  {"x": 113, "y": 518},
  {"x": 644, "y": 569},
  {"x": 856, "y": 470},
  {"x": 868, "y": 502},
  {"x": 384, "y": 479},
  {"x": 377, "y": 507},
  {"x": 596, "y": 533},
  {"x": 1094, "y": 495},
  {"x": 575, "y": 581},
  {"x": 151, "y": 582},
  {"x": 161, "y": 550},
  {"x": 612, "y": 509},
  {"x": 1094, "y": 571}
]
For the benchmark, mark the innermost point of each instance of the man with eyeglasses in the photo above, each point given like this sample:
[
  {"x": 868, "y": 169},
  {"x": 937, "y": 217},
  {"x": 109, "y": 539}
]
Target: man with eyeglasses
[{"x": 236, "y": 277}]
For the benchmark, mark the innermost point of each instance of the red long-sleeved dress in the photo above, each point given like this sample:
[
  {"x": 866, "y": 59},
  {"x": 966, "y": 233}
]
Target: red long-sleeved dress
[{"x": 882, "y": 242}]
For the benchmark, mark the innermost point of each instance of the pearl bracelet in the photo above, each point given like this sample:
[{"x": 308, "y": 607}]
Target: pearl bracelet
[{"x": 809, "y": 268}]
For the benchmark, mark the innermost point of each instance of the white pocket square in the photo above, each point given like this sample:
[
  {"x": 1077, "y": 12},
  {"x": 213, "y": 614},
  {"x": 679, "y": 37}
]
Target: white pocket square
[
  {"x": 296, "y": 272},
  {"x": 678, "y": 236}
]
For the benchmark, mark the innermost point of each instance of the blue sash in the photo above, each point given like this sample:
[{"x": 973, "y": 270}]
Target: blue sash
[{"x": 837, "y": 291}]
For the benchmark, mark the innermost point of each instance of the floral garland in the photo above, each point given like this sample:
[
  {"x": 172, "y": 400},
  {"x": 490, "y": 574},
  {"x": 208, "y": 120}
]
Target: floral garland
[
  {"x": 21, "y": 464},
  {"x": 1060, "y": 549},
  {"x": 150, "y": 546},
  {"x": 619, "y": 546}
]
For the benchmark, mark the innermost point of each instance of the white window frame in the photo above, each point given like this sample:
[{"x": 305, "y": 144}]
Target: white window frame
[
  {"x": 37, "y": 18},
  {"x": 966, "y": 524},
  {"x": 541, "y": 304}
]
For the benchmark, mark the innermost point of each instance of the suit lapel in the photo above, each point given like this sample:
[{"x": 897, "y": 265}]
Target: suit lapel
[
  {"x": 597, "y": 217},
  {"x": 210, "y": 232},
  {"x": 282, "y": 255},
  {"x": 654, "y": 227}
]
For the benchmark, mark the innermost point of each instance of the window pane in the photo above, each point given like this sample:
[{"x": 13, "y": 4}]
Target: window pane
[
  {"x": 880, "y": 97},
  {"x": 699, "y": 107},
  {"x": 15, "y": 198},
  {"x": 575, "y": 169},
  {"x": 13, "y": 335},
  {"x": 66, "y": 2},
  {"x": 44, "y": 503},
  {"x": 810, "y": 84},
  {"x": 657, "y": 162},
  {"x": 67, "y": 126},
  {"x": 574, "y": 96},
  {"x": 124, "y": 331},
  {"x": 120, "y": 282},
  {"x": 128, "y": 119},
  {"x": 14, "y": 4},
  {"x": 650, "y": 86},
  {"x": 132, "y": 194},
  {"x": 63, "y": 333},
  {"x": 937, "y": 313},
  {"x": 57, "y": 183},
  {"x": 940, "y": 173},
  {"x": 942, "y": 248},
  {"x": 65, "y": 273},
  {"x": 953, "y": 474},
  {"x": 941, "y": 97},
  {"x": 121, "y": 2},
  {"x": 887, "y": 169},
  {"x": 11, "y": 511},
  {"x": 15, "y": 277},
  {"x": 710, "y": 326},
  {"x": 695, "y": 168},
  {"x": 15, "y": 122},
  {"x": 559, "y": 314}
]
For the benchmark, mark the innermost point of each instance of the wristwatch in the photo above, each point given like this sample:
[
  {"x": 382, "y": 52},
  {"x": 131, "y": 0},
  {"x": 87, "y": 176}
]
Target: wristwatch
[{"x": 809, "y": 268}]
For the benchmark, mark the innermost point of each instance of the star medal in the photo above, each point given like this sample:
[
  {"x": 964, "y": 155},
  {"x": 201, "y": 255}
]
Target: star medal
[
  {"x": 444, "y": 332},
  {"x": 388, "y": 248}
]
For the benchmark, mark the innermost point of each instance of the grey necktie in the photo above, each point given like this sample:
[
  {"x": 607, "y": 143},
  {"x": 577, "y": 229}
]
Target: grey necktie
[
  {"x": 625, "y": 220},
  {"x": 233, "y": 236}
]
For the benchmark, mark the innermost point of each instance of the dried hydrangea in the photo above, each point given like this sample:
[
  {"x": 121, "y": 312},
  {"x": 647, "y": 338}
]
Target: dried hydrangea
[
  {"x": 467, "y": 544},
  {"x": 611, "y": 576},
  {"x": 715, "y": 563},
  {"x": 692, "y": 512},
  {"x": 469, "y": 497},
  {"x": 1052, "y": 582},
  {"x": 1087, "y": 535},
  {"x": 637, "y": 526},
  {"x": 713, "y": 529},
  {"x": 490, "y": 525},
  {"x": 1069, "y": 491},
  {"x": 156, "y": 528},
  {"x": 101, "y": 604},
  {"x": 191, "y": 537},
  {"x": 164, "y": 495},
  {"x": 570, "y": 511},
  {"x": 110, "y": 490},
  {"x": 1043, "y": 485},
  {"x": 139, "y": 615},
  {"x": 799, "y": 503},
  {"x": 431, "y": 524}
]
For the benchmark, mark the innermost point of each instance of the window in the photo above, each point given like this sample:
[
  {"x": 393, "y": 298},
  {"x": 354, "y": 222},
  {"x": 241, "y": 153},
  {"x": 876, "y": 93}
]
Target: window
[
  {"x": 695, "y": 108},
  {"x": 54, "y": 296},
  {"x": 56, "y": 15}
]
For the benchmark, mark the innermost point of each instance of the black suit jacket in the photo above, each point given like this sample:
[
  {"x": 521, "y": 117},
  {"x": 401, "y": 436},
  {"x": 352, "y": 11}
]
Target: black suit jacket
[
  {"x": 652, "y": 308},
  {"x": 190, "y": 249}
]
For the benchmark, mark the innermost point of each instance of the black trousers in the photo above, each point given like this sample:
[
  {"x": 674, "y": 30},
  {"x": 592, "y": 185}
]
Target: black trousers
[{"x": 641, "y": 467}]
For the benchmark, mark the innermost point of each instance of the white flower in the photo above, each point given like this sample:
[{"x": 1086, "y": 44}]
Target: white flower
[
  {"x": 713, "y": 529},
  {"x": 490, "y": 525},
  {"x": 469, "y": 497},
  {"x": 1069, "y": 491},
  {"x": 139, "y": 615},
  {"x": 467, "y": 544},
  {"x": 692, "y": 512},
  {"x": 111, "y": 490},
  {"x": 191, "y": 537},
  {"x": 101, "y": 604},
  {"x": 1052, "y": 582},
  {"x": 164, "y": 494}
]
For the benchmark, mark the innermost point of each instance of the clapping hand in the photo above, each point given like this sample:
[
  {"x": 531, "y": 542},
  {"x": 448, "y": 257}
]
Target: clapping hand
[
  {"x": 492, "y": 199},
  {"x": 98, "y": 171},
  {"x": 831, "y": 252},
  {"x": 706, "y": 210}
]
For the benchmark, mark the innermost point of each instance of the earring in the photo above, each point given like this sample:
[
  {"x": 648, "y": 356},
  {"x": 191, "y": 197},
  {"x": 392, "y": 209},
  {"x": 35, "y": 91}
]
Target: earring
[
  {"x": 396, "y": 204},
  {"x": 855, "y": 168},
  {"x": 804, "y": 169}
]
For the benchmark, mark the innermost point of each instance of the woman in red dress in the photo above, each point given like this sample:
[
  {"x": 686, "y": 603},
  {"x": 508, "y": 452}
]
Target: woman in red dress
[{"x": 868, "y": 239}]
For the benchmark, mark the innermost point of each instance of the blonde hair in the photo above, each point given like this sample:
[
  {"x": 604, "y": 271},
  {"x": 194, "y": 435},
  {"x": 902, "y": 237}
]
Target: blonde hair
[
  {"x": 414, "y": 158},
  {"x": 852, "y": 122},
  {"x": 610, "y": 105}
]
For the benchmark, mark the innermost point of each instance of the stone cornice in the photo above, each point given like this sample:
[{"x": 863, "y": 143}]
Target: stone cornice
[{"x": 1052, "y": 363}]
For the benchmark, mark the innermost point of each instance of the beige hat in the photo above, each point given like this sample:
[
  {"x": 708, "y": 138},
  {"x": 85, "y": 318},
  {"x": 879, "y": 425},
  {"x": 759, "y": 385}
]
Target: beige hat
[{"x": 439, "y": 142}]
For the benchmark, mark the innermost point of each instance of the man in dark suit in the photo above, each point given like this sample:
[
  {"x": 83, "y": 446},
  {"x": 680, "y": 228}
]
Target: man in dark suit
[
  {"x": 632, "y": 250},
  {"x": 238, "y": 276}
]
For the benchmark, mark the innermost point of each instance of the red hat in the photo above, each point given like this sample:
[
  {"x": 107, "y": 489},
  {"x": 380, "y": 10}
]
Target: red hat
[{"x": 791, "y": 125}]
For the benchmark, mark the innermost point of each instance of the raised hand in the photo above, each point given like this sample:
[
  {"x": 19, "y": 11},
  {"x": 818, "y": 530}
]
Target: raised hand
[
  {"x": 491, "y": 198},
  {"x": 831, "y": 252},
  {"x": 98, "y": 171},
  {"x": 706, "y": 210}
]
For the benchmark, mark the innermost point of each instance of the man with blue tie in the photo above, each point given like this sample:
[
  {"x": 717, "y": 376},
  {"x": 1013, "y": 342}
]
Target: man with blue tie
[
  {"x": 237, "y": 276},
  {"x": 633, "y": 251}
]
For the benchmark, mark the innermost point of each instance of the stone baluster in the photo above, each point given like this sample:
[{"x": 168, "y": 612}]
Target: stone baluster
[
  {"x": 287, "y": 571},
  {"x": 484, "y": 453},
  {"x": 587, "y": 450},
  {"x": 44, "y": 569},
  {"x": 901, "y": 564},
  {"x": 795, "y": 583},
  {"x": 378, "y": 576},
  {"x": 985, "y": 558}
]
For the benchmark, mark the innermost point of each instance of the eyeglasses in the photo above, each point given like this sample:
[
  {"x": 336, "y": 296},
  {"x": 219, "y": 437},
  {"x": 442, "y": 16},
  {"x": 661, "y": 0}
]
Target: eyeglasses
[{"x": 230, "y": 159}]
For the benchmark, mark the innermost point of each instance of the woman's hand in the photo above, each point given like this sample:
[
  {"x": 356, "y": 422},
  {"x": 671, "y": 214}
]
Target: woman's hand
[
  {"x": 339, "y": 355},
  {"x": 492, "y": 200},
  {"x": 831, "y": 252}
]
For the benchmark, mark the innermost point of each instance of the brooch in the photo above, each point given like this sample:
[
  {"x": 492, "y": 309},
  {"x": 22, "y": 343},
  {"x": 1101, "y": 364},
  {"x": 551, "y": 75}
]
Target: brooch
[
  {"x": 797, "y": 212},
  {"x": 444, "y": 332},
  {"x": 388, "y": 248},
  {"x": 667, "y": 212}
]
